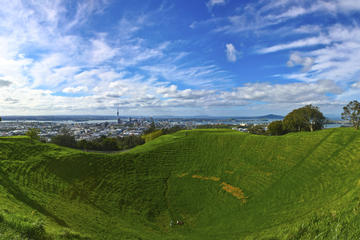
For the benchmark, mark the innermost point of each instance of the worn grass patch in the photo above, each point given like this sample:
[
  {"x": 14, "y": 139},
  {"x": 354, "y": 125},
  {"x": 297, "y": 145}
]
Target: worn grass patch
[
  {"x": 215, "y": 179},
  {"x": 235, "y": 191}
]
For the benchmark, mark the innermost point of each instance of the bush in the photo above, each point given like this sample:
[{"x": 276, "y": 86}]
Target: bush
[
  {"x": 151, "y": 136},
  {"x": 33, "y": 133}
]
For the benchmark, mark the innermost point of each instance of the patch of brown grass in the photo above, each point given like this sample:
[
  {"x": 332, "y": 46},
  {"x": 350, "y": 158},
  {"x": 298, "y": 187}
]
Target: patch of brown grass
[
  {"x": 235, "y": 191},
  {"x": 182, "y": 175},
  {"x": 215, "y": 179}
]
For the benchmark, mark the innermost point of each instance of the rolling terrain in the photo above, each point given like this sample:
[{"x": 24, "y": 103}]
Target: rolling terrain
[{"x": 221, "y": 184}]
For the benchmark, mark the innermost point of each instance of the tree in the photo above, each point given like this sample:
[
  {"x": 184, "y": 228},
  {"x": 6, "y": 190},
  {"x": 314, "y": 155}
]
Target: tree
[
  {"x": 151, "y": 136},
  {"x": 33, "y": 133},
  {"x": 257, "y": 129},
  {"x": 276, "y": 128},
  {"x": 151, "y": 128},
  {"x": 352, "y": 113},
  {"x": 308, "y": 118},
  {"x": 82, "y": 144},
  {"x": 109, "y": 144},
  {"x": 64, "y": 139}
]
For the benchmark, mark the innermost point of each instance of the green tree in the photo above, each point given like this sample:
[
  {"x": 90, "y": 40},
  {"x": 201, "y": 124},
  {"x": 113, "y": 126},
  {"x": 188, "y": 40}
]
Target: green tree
[
  {"x": 352, "y": 113},
  {"x": 308, "y": 118},
  {"x": 33, "y": 133},
  {"x": 64, "y": 139},
  {"x": 276, "y": 128},
  {"x": 109, "y": 144},
  {"x": 151, "y": 136},
  {"x": 82, "y": 144},
  {"x": 257, "y": 129}
]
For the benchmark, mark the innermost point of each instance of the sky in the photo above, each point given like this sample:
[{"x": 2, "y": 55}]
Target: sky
[{"x": 178, "y": 57}]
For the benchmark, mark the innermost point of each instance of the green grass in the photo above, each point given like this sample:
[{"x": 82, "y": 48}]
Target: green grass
[{"x": 222, "y": 184}]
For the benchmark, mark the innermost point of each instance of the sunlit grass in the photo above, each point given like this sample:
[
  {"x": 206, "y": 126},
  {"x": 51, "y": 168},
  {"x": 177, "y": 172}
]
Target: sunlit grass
[{"x": 221, "y": 184}]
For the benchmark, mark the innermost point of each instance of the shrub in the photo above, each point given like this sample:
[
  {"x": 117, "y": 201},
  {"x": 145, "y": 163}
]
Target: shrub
[{"x": 151, "y": 136}]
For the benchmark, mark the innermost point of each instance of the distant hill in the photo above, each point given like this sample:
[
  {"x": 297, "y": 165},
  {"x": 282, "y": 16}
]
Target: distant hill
[
  {"x": 269, "y": 116},
  {"x": 219, "y": 184}
]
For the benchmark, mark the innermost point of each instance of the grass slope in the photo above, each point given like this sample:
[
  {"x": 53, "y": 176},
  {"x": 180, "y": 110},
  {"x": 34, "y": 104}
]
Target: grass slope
[{"x": 222, "y": 184}]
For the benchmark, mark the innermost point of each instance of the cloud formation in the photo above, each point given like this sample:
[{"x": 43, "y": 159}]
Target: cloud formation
[
  {"x": 355, "y": 85},
  {"x": 212, "y": 3},
  {"x": 301, "y": 93},
  {"x": 57, "y": 58},
  {"x": 75, "y": 89},
  {"x": 231, "y": 52},
  {"x": 4, "y": 83},
  {"x": 296, "y": 59}
]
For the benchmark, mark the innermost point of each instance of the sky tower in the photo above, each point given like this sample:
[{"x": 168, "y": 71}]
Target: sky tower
[{"x": 118, "y": 117}]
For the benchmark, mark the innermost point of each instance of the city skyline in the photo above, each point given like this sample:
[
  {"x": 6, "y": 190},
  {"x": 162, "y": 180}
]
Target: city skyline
[{"x": 153, "y": 58}]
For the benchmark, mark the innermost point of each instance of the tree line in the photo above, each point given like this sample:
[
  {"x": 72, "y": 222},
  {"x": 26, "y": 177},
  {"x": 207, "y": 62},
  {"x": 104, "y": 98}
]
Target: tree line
[
  {"x": 103, "y": 143},
  {"x": 309, "y": 118}
]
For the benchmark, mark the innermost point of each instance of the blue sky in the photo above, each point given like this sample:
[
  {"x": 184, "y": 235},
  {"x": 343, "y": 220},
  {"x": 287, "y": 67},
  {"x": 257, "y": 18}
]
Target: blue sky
[{"x": 158, "y": 57}]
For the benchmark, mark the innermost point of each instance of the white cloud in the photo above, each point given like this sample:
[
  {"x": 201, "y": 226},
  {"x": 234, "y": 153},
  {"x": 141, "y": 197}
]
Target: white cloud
[
  {"x": 338, "y": 60},
  {"x": 259, "y": 15},
  {"x": 348, "y": 5},
  {"x": 173, "y": 92},
  {"x": 4, "y": 83},
  {"x": 231, "y": 52},
  {"x": 313, "y": 41},
  {"x": 75, "y": 89},
  {"x": 355, "y": 85},
  {"x": 203, "y": 76},
  {"x": 101, "y": 51},
  {"x": 309, "y": 29},
  {"x": 212, "y": 3},
  {"x": 291, "y": 13},
  {"x": 84, "y": 10},
  {"x": 296, "y": 59},
  {"x": 303, "y": 93}
]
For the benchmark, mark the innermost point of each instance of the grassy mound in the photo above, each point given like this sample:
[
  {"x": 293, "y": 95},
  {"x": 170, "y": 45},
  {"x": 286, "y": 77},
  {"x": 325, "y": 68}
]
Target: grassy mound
[{"x": 221, "y": 184}]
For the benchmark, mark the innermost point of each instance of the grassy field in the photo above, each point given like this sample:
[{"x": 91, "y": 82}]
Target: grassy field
[{"x": 222, "y": 184}]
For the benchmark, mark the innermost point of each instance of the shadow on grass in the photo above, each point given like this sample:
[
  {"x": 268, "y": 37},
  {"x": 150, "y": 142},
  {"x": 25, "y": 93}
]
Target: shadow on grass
[{"x": 21, "y": 196}]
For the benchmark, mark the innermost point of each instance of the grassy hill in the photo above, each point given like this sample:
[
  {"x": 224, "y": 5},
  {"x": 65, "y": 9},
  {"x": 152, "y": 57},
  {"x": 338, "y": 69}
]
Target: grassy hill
[{"x": 222, "y": 184}]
